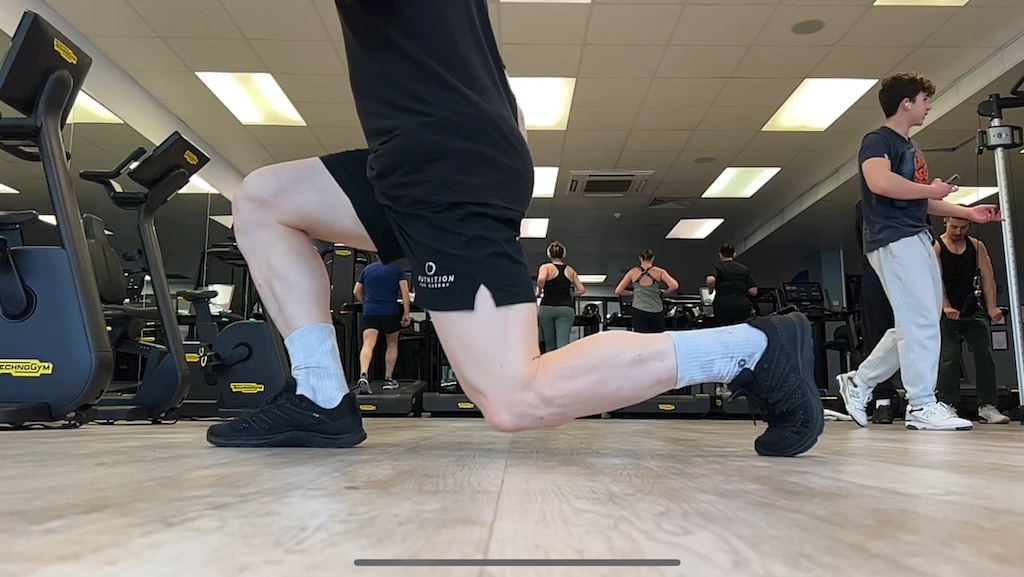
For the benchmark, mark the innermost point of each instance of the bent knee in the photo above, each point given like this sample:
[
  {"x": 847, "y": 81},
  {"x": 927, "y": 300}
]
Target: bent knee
[
  {"x": 258, "y": 195},
  {"x": 511, "y": 404}
]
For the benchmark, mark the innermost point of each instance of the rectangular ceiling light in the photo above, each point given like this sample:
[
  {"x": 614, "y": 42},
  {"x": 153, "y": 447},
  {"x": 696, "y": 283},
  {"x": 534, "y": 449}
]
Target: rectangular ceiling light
[
  {"x": 4, "y": 189},
  {"x": 197, "y": 185},
  {"x": 88, "y": 111},
  {"x": 968, "y": 195},
  {"x": 545, "y": 101},
  {"x": 740, "y": 182},
  {"x": 533, "y": 228},
  {"x": 694, "y": 228},
  {"x": 592, "y": 278},
  {"x": 921, "y": 2},
  {"x": 254, "y": 98},
  {"x": 227, "y": 220},
  {"x": 817, "y": 103},
  {"x": 544, "y": 179}
]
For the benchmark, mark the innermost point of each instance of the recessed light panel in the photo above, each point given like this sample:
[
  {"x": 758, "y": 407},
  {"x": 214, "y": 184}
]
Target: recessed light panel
[
  {"x": 533, "y": 228},
  {"x": 545, "y": 101},
  {"x": 694, "y": 228},
  {"x": 740, "y": 182},
  {"x": 817, "y": 103},
  {"x": 255, "y": 99}
]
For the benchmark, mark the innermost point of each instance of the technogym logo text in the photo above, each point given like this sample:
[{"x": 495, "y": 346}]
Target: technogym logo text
[
  {"x": 25, "y": 368},
  {"x": 432, "y": 280}
]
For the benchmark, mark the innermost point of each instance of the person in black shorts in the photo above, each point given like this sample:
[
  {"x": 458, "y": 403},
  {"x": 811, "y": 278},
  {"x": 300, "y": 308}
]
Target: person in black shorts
[
  {"x": 445, "y": 182},
  {"x": 378, "y": 289},
  {"x": 647, "y": 284},
  {"x": 733, "y": 285}
]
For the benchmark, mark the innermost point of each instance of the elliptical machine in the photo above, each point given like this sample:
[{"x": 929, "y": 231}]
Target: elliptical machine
[
  {"x": 56, "y": 358},
  {"x": 165, "y": 380}
]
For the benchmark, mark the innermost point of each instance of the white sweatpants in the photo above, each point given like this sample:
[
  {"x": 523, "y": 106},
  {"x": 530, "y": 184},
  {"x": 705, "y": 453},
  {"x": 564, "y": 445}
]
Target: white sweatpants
[{"x": 910, "y": 275}]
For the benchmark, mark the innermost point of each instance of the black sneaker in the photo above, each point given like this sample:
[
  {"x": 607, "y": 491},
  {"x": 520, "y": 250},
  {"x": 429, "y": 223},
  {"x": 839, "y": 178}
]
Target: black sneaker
[
  {"x": 290, "y": 420},
  {"x": 391, "y": 384},
  {"x": 883, "y": 415},
  {"x": 782, "y": 386}
]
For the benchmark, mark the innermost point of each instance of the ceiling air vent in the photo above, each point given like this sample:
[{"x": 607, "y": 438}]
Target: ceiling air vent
[
  {"x": 681, "y": 202},
  {"x": 607, "y": 184}
]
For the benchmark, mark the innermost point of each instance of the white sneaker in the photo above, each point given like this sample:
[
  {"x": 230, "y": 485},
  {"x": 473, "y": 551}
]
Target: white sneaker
[
  {"x": 936, "y": 417},
  {"x": 991, "y": 415},
  {"x": 855, "y": 397}
]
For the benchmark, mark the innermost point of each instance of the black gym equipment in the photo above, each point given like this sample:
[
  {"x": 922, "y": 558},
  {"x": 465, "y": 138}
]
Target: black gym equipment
[
  {"x": 56, "y": 358},
  {"x": 11, "y": 223},
  {"x": 244, "y": 360},
  {"x": 164, "y": 381},
  {"x": 344, "y": 265}
]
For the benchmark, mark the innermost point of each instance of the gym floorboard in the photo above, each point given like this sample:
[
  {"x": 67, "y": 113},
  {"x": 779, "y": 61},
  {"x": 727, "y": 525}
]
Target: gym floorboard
[{"x": 157, "y": 501}]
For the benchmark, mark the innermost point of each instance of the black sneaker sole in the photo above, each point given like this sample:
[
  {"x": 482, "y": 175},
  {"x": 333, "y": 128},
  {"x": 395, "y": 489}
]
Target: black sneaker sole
[
  {"x": 292, "y": 439},
  {"x": 804, "y": 344}
]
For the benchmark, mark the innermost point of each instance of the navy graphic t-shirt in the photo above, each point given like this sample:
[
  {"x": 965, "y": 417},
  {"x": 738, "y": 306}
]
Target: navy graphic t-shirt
[{"x": 887, "y": 220}]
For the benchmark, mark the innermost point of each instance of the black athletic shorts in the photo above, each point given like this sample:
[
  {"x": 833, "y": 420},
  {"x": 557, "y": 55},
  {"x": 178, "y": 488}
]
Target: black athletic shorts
[
  {"x": 645, "y": 322},
  {"x": 453, "y": 247},
  {"x": 386, "y": 324}
]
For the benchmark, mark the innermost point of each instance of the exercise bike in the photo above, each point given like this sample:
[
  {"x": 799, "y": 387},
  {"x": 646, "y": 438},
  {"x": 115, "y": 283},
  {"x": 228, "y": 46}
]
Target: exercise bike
[{"x": 165, "y": 377}]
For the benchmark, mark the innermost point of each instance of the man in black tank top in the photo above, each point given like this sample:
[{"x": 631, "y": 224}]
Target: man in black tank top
[
  {"x": 445, "y": 182},
  {"x": 969, "y": 303}
]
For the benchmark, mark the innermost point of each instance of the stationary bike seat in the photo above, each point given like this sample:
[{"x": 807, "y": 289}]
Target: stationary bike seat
[
  {"x": 17, "y": 217},
  {"x": 193, "y": 296}
]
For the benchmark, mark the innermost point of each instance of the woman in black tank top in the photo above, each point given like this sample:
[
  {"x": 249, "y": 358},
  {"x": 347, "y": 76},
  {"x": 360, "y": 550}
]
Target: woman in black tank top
[{"x": 555, "y": 283}]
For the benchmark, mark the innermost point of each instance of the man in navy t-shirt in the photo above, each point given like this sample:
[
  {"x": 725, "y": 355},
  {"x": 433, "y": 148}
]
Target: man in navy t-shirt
[
  {"x": 897, "y": 196},
  {"x": 445, "y": 182},
  {"x": 378, "y": 288}
]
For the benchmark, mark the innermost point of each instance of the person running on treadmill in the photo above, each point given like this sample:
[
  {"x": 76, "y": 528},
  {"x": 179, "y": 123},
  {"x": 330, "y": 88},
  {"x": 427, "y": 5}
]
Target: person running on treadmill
[
  {"x": 556, "y": 282},
  {"x": 733, "y": 285},
  {"x": 966, "y": 313},
  {"x": 898, "y": 196},
  {"x": 876, "y": 318},
  {"x": 445, "y": 183},
  {"x": 647, "y": 283},
  {"x": 378, "y": 289}
]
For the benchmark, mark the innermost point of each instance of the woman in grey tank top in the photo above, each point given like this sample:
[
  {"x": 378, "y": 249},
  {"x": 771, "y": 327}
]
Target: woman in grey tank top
[{"x": 647, "y": 283}]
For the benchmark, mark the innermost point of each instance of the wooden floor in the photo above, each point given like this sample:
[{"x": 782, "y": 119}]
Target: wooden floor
[{"x": 157, "y": 501}]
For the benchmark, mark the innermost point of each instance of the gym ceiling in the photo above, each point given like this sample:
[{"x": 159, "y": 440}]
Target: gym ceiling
[{"x": 680, "y": 88}]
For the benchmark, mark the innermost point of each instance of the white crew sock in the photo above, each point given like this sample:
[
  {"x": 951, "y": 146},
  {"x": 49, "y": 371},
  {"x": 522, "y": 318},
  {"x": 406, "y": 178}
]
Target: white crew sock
[
  {"x": 716, "y": 355},
  {"x": 316, "y": 364}
]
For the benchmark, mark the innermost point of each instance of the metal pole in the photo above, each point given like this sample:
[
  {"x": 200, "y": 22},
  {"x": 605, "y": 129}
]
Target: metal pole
[{"x": 1010, "y": 251}]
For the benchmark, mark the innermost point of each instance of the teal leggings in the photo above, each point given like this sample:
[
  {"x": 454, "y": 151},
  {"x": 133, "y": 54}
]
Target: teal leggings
[{"x": 555, "y": 326}]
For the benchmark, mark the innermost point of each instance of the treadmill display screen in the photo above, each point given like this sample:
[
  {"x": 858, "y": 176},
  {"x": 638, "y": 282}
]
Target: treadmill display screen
[{"x": 803, "y": 292}]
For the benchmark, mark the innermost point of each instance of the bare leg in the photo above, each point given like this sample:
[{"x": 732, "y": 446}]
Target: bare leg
[
  {"x": 366, "y": 354},
  {"x": 276, "y": 214},
  {"x": 391, "y": 357}
]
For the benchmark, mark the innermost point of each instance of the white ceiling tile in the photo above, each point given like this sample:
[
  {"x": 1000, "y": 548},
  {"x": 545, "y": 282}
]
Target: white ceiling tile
[
  {"x": 329, "y": 14},
  {"x": 896, "y": 26},
  {"x": 214, "y": 122},
  {"x": 284, "y": 135},
  {"x": 602, "y": 117},
  {"x": 700, "y": 61},
  {"x": 860, "y": 119},
  {"x": 546, "y": 139},
  {"x": 838, "y": 21},
  {"x": 780, "y": 61},
  {"x": 299, "y": 57},
  {"x": 723, "y": 140},
  {"x": 558, "y": 60},
  {"x": 737, "y": 118},
  {"x": 93, "y": 19},
  {"x": 657, "y": 160},
  {"x": 860, "y": 61},
  {"x": 635, "y": 24},
  {"x": 595, "y": 139},
  {"x": 145, "y": 54},
  {"x": 944, "y": 63},
  {"x": 714, "y": 24},
  {"x": 795, "y": 141},
  {"x": 669, "y": 117},
  {"x": 838, "y": 142},
  {"x": 975, "y": 27},
  {"x": 186, "y": 18},
  {"x": 173, "y": 85},
  {"x": 321, "y": 88},
  {"x": 609, "y": 92},
  {"x": 246, "y": 158},
  {"x": 546, "y": 156},
  {"x": 277, "y": 20},
  {"x": 756, "y": 91},
  {"x": 603, "y": 61},
  {"x": 589, "y": 159},
  {"x": 216, "y": 55},
  {"x": 288, "y": 153},
  {"x": 683, "y": 91},
  {"x": 764, "y": 157},
  {"x": 543, "y": 23},
  {"x": 336, "y": 138},
  {"x": 324, "y": 114},
  {"x": 660, "y": 140}
]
